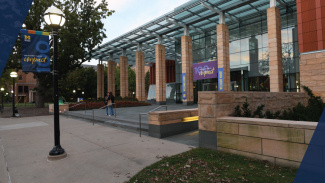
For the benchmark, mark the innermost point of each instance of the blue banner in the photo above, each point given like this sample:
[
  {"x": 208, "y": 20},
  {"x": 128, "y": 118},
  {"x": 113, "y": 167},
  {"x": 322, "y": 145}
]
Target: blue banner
[
  {"x": 35, "y": 51},
  {"x": 13, "y": 14},
  {"x": 221, "y": 86},
  {"x": 184, "y": 85},
  {"x": 312, "y": 167}
]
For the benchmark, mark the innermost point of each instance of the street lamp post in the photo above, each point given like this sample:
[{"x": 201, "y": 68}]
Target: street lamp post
[
  {"x": 13, "y": 75},
  {"x": 55, "y": 19},
  {"x": 2, "y": 89}
]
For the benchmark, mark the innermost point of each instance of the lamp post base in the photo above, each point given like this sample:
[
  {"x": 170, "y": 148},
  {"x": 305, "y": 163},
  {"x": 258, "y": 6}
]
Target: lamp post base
[{"x": 57, "y": 153}]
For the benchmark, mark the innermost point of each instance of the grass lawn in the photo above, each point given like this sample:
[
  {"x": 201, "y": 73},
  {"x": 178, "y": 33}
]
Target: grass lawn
[{"x": 202, "y": 165}]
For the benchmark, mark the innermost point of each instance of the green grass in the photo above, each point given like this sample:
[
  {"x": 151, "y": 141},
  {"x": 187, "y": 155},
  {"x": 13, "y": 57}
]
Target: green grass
[{"x": 202, "y": 165}]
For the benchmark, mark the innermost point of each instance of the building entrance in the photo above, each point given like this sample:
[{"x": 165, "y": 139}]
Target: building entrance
[{"x": 204, "y": 85}]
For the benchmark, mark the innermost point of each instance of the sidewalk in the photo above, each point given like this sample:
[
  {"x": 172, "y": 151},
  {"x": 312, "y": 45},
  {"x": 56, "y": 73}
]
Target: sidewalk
[{"x": 95, "y": 153}]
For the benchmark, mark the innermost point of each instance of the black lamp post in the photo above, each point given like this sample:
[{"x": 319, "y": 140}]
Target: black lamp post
[
  {"x": 13, "y": 75},
  {"x": 2, "y": 89},
  {"x": 55, "y": 19}
]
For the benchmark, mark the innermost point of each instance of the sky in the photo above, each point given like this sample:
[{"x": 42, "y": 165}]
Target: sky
[{"x": 130, "y": 14}]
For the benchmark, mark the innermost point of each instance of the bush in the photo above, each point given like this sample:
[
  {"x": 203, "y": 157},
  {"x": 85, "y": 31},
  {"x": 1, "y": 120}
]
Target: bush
[{"x": 311, "y": 112}]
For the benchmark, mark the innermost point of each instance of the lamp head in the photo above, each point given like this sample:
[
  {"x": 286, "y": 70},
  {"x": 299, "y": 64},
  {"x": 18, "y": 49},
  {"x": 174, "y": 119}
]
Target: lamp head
[
  {"x": 2, "y": 89},
  {"x": 13, "y": 74},
  {"x": 54, "y": 17}
]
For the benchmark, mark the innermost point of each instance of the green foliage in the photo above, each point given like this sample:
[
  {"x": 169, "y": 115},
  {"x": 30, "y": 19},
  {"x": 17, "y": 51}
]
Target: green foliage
[
  {"x": 311, "y": 112},
  {"x": 81, "y": 80},
  {"x": 270, "y": 115},
  {"x": 238, "y": 111},
  {"x": 132, "y": 81},
  {"x": 147, "y": 81},
  {"x": 259, "y": 111},
  {"x": 117, "y": 81},
  {"x": 246, "y": 111}
]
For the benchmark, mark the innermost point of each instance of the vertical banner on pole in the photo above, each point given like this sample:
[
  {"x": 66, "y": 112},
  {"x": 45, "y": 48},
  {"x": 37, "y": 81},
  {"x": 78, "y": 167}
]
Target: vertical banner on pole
[
  {"x": 35, "y": 50},
  {"x": 184, "y": 85},
  {"x": 220, "y": 79}
]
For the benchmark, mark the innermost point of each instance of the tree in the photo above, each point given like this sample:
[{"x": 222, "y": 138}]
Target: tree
[
  {"x": 76, "y": 80},
  {"x": 147, "y": 81},
  {"x": 132, "y": 81},
  {"x": 82, "y": 32}
]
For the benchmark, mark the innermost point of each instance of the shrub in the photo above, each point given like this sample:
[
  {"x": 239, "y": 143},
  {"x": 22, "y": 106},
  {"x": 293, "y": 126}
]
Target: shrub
[
  {"x": 259, "y": 111},
  {"x": 237, "y": 111},
  {"x": 246, "y": 111},
  {"x": 311, "y": 112}
]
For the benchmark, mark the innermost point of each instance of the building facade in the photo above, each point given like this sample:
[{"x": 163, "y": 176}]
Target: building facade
[{"x": 259, "y": 45}]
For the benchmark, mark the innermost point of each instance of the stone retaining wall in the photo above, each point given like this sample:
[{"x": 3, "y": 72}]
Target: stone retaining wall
[
  {"x": 253, "y": 137},
  {"x": 280, "y": 142},
  {"x": 167, "y": 123}
]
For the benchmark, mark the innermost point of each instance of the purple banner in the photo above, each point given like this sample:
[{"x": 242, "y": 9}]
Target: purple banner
[{"x": 205, "y": 70}]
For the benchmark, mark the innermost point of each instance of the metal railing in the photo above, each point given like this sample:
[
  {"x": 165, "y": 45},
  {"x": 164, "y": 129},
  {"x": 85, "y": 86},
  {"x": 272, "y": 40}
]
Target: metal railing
[
  {"x": 147, "y": 114},
  {"x": 103, "y": 108},
  {"x": 113, "y": 104}
]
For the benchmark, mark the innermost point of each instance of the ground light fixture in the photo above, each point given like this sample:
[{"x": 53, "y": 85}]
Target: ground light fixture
[
  {"x": 54, "y": 17},
  {"x": 13, "y": 75},
  {"x": 2, "y": 89}
]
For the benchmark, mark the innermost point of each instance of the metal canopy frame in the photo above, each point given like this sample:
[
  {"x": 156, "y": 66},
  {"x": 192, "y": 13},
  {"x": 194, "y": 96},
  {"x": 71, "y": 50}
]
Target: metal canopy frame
[{"x": 198, "y": 15}]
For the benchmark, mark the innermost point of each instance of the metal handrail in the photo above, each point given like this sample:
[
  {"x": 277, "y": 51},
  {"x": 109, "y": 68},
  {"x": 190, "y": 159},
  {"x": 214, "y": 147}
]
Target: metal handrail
[
  {"x": 93, "y": 109},
  {"x": 147, "y": 114},
  {"x": 103, "y": 108}
]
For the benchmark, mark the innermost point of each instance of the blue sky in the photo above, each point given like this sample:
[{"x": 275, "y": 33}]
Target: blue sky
[{"x": 130, "y": 14}]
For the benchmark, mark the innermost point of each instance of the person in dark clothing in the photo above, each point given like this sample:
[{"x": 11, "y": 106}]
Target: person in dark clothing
[
  {"x": 110, "y": 102},
  {"x": 106, "y": 101}
]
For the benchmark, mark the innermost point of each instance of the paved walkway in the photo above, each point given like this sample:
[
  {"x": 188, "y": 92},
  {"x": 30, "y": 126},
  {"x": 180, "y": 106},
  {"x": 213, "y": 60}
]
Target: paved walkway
[
  {"x": 95, "y": 153},
  {"x": 128, "y": 116}
]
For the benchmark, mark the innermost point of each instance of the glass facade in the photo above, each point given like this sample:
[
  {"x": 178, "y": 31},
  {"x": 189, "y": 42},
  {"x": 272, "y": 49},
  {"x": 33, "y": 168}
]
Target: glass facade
[{"x": 249, "y": 55}]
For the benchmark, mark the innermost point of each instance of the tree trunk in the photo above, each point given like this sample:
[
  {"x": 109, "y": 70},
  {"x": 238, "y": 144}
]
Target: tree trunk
[{"x": 39, "y": 94}]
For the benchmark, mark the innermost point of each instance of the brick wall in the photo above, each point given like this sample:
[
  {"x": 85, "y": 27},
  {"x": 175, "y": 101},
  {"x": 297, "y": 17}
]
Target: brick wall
[{"x": 311, "y": 25}]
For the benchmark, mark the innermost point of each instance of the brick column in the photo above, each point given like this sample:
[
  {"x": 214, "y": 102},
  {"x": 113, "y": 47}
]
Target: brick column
[
  {"x": 100, "y": 81},
  {"x": 124, "y": 76},
  {"x": 187, "y": 67},
  {"x": 140, "y": 76},
  {"x": 275, "y": 49},
  {"x": 160, "y": 75},
  {"x": 111, "y": 68},
  {"x": 223, "y": 54}
]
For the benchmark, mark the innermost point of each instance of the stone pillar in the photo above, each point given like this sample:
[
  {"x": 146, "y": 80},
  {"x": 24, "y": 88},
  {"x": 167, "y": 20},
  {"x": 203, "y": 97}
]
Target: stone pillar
[
  {"x": 111, "y": 69},
  {"x": 275, "y": 49},
  {"x": 223, "y": 55},
  {"x": 140, "y": 76},
  {"x": 160, "y": 75},
  {"x": 100, "y": 81},
  {"x": 124, "y": 76},
  {"x": 187, "y": 68},
  {"x": 208, "y": 119}
]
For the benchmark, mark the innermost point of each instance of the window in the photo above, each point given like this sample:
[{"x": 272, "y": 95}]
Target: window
[
  {"x": 20, "y": 89},
  {"x": 26, "y": 89},
  {"x": 20, "y": 77}
]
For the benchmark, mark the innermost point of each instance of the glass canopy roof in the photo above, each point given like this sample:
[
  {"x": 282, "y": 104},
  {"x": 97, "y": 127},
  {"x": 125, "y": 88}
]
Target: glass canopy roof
[{"x": 199, "y": 15}]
